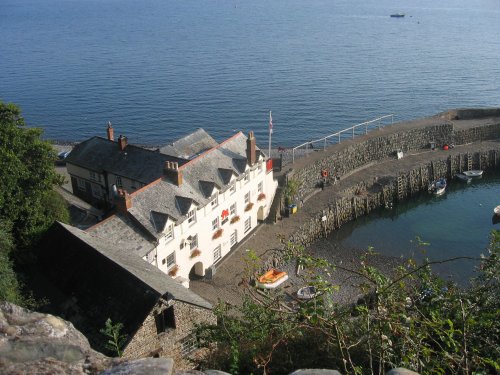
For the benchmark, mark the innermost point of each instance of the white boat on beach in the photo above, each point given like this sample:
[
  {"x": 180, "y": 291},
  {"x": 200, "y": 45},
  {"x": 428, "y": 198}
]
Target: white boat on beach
[
  {"x": 463, "y": 177},
  {"x": 307, "y": 292},
  {"x": 473, "y": 173}
]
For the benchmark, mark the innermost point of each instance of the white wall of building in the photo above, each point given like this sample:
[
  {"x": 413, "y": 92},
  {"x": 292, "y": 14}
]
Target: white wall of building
[{"x": 178, "y": 251}]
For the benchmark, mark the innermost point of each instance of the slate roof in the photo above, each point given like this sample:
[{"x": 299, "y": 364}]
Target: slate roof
[
  {"x": 123, "y": 233},
  {"x": 150, "y": 275},
  {"x": 201, "y": 175},
  {"x": 191, "y": 145},
  {"x": 134, "y": 162}
]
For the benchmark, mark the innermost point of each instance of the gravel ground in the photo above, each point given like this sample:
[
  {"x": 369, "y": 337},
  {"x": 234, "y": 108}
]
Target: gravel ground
[{"x": 346, "y": 260}]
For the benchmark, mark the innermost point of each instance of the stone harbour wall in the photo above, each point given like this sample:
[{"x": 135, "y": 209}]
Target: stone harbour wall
[
  {"x": 353, "y": 155},
  {"x": 368, "y": 195},
  {"x": 480, "y": 133},
  {"x": 343, "y": 159}
]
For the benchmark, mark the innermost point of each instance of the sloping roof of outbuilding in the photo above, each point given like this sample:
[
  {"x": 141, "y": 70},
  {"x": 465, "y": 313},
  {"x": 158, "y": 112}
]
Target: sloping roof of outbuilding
[{"x": 137, "y": 268}]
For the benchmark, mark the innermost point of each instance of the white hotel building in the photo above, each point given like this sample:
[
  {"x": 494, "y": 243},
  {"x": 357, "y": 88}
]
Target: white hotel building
[{"x": 208, "y": 198}]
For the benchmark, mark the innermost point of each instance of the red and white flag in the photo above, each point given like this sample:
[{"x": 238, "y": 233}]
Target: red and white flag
[{"x": 270, "y": 123}]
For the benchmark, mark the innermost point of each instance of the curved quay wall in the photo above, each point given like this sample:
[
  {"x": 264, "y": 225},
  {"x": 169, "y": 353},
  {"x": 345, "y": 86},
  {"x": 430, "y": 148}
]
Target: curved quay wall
[{"x": 369, "y": 194}]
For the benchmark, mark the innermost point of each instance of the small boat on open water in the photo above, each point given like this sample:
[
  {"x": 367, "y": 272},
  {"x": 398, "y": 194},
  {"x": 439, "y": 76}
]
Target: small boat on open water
[
  {"x": 397, "y": 15},
  {"x": 272, "y": 279},
  {"x": 496, "y": 211}
]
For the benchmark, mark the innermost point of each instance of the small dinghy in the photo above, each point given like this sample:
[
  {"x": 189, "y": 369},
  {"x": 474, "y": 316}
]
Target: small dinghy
[
  {"x": 463, "y": 177},
  {"x": 473, "y": 173},
  {"x": 307, "y": 292},
  {"x": 272, "y": 279},
  {"x": 496, "y": 211}
]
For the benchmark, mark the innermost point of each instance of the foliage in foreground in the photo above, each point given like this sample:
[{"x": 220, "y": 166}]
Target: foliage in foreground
[
  {"x": 115, "y": 339},
  {"x": 410, "y": 319},
  {"x": 28, "y": 203}
]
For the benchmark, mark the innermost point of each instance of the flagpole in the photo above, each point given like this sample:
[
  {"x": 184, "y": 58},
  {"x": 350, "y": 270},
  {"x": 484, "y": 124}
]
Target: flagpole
[{"x": 270, "y": 133}]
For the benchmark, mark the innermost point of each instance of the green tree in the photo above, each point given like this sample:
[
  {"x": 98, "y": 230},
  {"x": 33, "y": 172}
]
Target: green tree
[
  {"x": 28, "y": 203},
  {"x": 27, "y": 177}
]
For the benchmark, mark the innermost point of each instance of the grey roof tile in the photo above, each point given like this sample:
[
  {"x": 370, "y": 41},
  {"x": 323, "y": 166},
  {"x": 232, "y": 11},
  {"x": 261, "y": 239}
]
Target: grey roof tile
[
  {"x": 121, "y": 231},
  {"x": 191, "y": 145},
  {"x": 140, "y": 164}
]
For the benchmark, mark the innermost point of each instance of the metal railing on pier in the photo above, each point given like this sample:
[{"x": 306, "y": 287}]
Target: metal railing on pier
[{"x": 335, "y": 138}]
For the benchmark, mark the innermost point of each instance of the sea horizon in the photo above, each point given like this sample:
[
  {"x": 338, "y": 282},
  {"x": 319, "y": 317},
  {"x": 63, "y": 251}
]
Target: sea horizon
[{"x": 160, "y": 69}]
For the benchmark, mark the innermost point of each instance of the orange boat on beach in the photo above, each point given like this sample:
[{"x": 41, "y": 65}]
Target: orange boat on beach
[{"x": 271, "y": 279}]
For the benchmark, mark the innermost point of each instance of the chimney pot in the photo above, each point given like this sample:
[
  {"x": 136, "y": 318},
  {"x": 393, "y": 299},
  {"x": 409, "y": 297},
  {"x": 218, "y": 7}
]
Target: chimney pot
[
  {"x": 122, "y": 142},
  {"x": 251, "y": 153},
  {"x": 123, "y": 201},
  {"x": 111, "y": 132},
  {"x": 172, "y": 172}
]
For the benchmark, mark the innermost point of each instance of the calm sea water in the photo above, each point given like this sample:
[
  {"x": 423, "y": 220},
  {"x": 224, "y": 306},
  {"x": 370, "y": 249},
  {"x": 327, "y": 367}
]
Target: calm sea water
[
  {"x": 456, "y": 224},
  {"x": 159, "y": 69}
]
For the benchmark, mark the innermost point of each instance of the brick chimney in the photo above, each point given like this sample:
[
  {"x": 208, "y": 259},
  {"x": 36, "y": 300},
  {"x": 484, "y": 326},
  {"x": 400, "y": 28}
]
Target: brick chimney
[
  {"x": 111, "y": 132},
  {"x": 122, "y": 142},
  {"x": 251, "y": 155},
  {"x": 172, "y": 172},
  {"x": 123, "y": 201}
]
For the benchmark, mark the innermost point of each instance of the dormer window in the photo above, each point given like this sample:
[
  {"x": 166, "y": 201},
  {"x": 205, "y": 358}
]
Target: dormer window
[
  {"x": 232, "y": 189},
  {"x": 215, "y": 201},
  {"x": 247, "y": 177},
  {"x": 191, "y": 217}
]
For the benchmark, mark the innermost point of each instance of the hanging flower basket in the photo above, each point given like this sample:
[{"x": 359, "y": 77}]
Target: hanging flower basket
[
  {"x": 217, "y": 233},
  {"x": 249, "y": 206},
  {"x": 173, "y": 271},
  {"x": 195, "y": 253},
  {"x": 261, "y": 196},
  {"x": 235, "y": 219}
]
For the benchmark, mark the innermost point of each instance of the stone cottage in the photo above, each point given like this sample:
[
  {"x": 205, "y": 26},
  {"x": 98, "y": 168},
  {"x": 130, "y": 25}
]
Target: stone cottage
[{"x": 100, "y": 280}]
